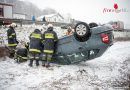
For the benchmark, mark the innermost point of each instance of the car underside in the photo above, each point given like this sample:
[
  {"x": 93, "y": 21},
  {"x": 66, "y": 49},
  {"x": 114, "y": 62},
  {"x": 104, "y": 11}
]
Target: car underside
[{"x": 92, "y": 43}]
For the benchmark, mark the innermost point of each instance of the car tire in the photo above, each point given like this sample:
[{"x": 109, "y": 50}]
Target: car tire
[
  {"x": 91, "y": 25},
  {"x": 82, "y": 31}
]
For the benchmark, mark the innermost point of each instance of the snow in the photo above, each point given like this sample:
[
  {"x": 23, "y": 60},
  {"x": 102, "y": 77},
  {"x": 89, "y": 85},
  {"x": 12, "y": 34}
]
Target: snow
[
  {"x": 24, "y": 32},
  {"x": 105, "y": 72},
  {"x": 108, "y": 72}
]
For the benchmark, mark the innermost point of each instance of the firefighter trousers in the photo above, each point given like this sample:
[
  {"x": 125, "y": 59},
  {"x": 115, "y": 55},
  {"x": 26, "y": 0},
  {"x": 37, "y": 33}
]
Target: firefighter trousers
[
  {"x": 47, "y": 57},
  {"x": 34, "y": 56}
]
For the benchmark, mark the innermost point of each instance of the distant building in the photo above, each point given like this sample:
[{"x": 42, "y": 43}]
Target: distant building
[
  {"x": 6, "y": 10},
  {"x": 19, "y": 16},
  {"x": 51, "y": 18}
]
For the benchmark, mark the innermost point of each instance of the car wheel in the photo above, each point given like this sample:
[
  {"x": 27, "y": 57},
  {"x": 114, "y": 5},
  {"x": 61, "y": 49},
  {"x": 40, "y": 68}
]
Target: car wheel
[
  {"x": 82, "y": 31},
  {"x": 91, "y": 25}
]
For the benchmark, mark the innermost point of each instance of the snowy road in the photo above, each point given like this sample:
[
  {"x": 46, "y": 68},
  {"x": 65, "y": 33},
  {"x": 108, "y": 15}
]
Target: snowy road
[{"x": 108, "y": 72}]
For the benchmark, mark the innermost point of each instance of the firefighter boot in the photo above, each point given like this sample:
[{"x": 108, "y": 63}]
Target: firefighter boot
[
  {"x": 31, "y": 62},
  {"x": 43, "y": 63},
  {"x": 37, "y": 62},
  {"x": 47, "y": 64}
]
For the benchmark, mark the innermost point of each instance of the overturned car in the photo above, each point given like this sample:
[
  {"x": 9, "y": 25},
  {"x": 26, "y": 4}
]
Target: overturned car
[{"x": 85, "y": 44}]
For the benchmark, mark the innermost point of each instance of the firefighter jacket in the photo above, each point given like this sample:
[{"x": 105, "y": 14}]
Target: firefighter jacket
[
  {"x": 12, "y": 41},
  {"x": 49, "y": 40},
  {"x": 35, "y": 41},
  {"x": 22, "y": 53}
]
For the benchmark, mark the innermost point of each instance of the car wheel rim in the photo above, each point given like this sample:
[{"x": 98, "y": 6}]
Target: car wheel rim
[{"x": 81, "y": 30}]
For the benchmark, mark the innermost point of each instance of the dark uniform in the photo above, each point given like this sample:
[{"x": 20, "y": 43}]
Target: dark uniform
[
  {"x": 12, "y": 41},
  {"x": 21, "y": 55},
  {"x": 49, "y": 40},
  {"x": 35, "y": 46}
]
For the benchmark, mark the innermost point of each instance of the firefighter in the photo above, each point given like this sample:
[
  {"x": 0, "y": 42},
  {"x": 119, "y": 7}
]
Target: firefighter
[
  {"x": 69, "y": 31},
  {"x": 21, "y": 52},
  {"x": 49, "y": 40},
  {"x": 12, "y": 41},
  {"x": 35, "y": 46}
]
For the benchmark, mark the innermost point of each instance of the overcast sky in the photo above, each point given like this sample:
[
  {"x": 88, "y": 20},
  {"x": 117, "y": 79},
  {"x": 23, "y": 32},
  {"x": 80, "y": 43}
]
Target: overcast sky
[{"x": 88, "y": 10}]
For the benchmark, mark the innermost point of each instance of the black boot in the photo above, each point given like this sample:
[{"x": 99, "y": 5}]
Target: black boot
[
  {"x": 43, "y": 63},
  {"x": 31, "y": 62},
  {"x": 11, "y": 55},
  {"x": 37, "y": 62},
  {"x": 48, "y": 64}
]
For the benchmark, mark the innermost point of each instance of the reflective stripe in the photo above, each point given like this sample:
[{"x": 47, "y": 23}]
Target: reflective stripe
[
  {"x": 35, "y": 50},
  {"x": 12, "y": 44},
  {"x": 31, "y": 57},
  {"x": 10, "y": 36},
  {"x": 49, "y": 35},
  {"x": 24, "y": 57},
  {"x": 48, "y": 51},
  {"x": 49, "y": 57},
  {"x": 37, "y": 57},
  {"x": 13, "y": 34},
  {"x": 43, "y": 57},
  {"x": 36, "y": 35}
]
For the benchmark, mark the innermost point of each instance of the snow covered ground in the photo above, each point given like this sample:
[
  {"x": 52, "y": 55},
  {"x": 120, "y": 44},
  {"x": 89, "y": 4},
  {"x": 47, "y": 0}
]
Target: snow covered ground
[
  {"x": 108, "y": 72},
  {"x": 24, "y": 32},
  {"x": 111, "y": 71}
]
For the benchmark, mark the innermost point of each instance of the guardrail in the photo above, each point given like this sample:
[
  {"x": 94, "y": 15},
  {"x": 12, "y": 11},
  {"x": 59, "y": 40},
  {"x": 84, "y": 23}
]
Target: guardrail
[{"x": 122, "y": 36}]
